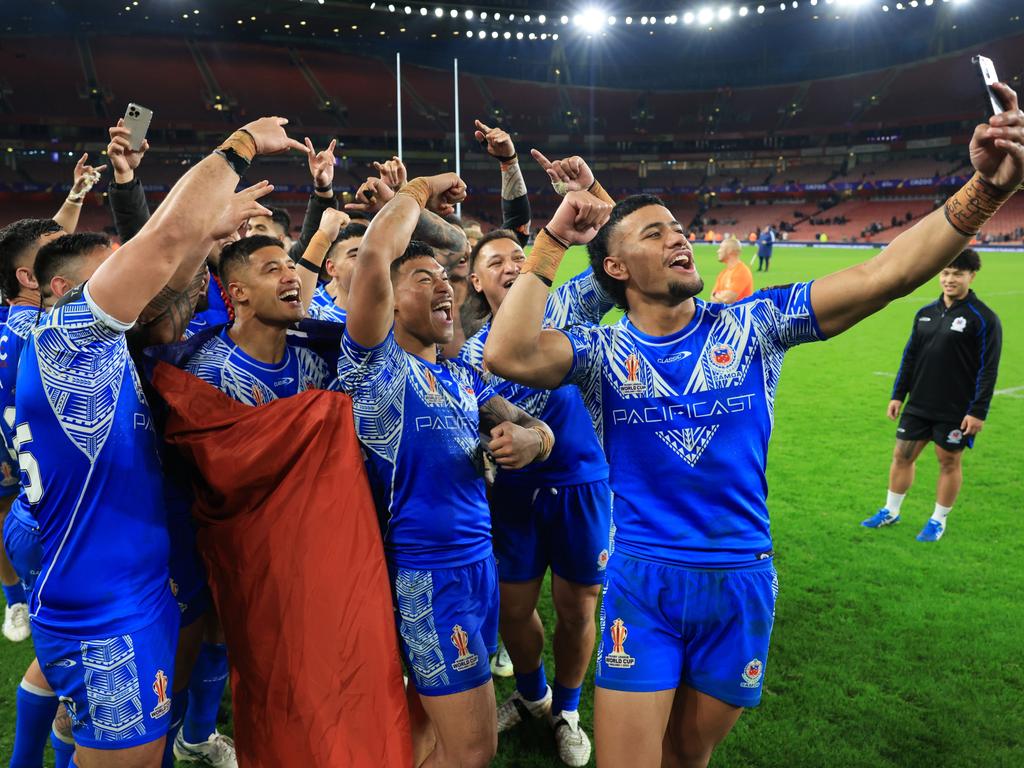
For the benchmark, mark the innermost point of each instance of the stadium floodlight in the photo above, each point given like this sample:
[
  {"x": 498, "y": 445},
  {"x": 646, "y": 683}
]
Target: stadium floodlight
[
  {"x": 483, "y": 16},
  {"x": 407, "y": 10},
  {"x": 611, "y": 21},
  {"x": 507, "y": 35},
  {"x": 533, "y": 35},
  {"x": 481, "y": 34},
  {"x": 423, "y": 11},
  {"x": 782, "y": 6},
  {"x": 929, "y": 2},
  {"x": 541, "y": 19},
  {"x": 705, "y": 15},
  {"x": 629, "y": 19},
  {"x": 565, "y": 20},
  {"x": 795, "y": 5},
  {"x": 391, "y": 8},
  {"x": 543, "y": 35},
  {"x": 743, "y": 10},
  {"x": 724, "y": 13},
  {"x": 913, "y": 3},
  {"x": 643, "y": 20},
  {"x": 519, "y": 35},
  {"x": 438, "y": 12},
  {"x": 469, "y": 14},
  {"x": 527, "y": 18},
  {"x": 814, "y": 2},
  {"x": 885, "y": 9},
  {"x": 453, "y": 13},
  {"x": 688, "y": 17},
  {"x": 591, "y": 20},
  {"x": 494, "y": 35},
  {"x": 760, "y": 9},
  {"x": 554, "y": 36}
]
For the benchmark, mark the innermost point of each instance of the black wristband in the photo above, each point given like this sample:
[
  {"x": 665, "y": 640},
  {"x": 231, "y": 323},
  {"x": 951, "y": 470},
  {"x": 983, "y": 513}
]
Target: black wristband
[
  {"x": 304, "y": 262},
  {"x": 238, "y": 163},
  {"x": 556, "y": 238},
  {"x": 508, "y": 159},
  {"x": 325, "y": 188}
]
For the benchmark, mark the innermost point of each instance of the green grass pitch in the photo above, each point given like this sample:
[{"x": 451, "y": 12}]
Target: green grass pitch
[{"x": 886, "y": 652}]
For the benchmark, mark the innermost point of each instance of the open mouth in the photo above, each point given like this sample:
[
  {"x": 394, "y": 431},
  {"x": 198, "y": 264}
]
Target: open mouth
[
  {"x": 442, "y": 311},
  {"x": 683, "y": 262},
  {"x": 291, "y": 296},
  {"x": 508, "y": 283}
]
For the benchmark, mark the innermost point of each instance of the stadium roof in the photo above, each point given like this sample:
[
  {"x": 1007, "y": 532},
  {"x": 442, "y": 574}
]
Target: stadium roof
[{"x": 683, "y": 45}]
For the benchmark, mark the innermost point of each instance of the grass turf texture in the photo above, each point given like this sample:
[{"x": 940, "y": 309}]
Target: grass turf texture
[{"x": 886, "y": 651}]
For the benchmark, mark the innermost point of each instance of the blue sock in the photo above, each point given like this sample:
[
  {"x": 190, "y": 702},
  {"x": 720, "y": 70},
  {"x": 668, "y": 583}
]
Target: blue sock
[
  {"x": 62, "y": 751},
  {"x": 533, "y": 685},
  {"x": 205, "y": 689},
  {"x": 15, "y": 593},
  {"x": 179, "y": 701},
  {"x": 35, "y": 710},
  {"x": 565, "y": 698}
]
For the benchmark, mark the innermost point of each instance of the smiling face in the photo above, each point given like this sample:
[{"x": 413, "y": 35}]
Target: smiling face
[
  {"x": 649, "y": 252},
  {"x": 495, "y": 269},
  {"x": 267, "y": 287},
  {"x": 423, "y": 300},
  {"x": 955, "y": 282},
  {"x": 341, "y": 261}
]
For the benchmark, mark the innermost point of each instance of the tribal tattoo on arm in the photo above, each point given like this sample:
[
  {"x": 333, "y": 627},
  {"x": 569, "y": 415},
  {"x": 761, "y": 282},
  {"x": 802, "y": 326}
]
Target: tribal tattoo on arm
[{"x": 435, "y": 231}]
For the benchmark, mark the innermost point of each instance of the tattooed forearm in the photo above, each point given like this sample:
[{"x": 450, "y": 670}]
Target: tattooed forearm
[
  {"x": 436, "y": 232},
  {"x": 512, "y": 183},
  {"x": 165, "y": 318},
  {"x": 498, "y": 410}
]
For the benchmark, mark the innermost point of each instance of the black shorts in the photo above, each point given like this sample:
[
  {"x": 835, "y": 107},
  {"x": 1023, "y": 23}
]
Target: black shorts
[{"x": 945, "y": 434}]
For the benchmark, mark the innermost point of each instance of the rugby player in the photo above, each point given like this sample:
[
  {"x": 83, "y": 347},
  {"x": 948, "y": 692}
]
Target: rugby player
[
  {"x": 682, "y": 393},
  {"x": 109, "y": 655},
  {"x": 420, "y": 419},
  {"x": 949, "y": 370}
]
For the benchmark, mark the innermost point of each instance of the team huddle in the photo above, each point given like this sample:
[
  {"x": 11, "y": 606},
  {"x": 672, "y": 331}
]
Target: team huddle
[{"x": 505, "y": 432}]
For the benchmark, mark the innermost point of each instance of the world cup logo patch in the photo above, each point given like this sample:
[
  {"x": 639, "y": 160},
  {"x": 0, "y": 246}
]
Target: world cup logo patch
[
  {"x": 163, "y": 701},
  {"x": 618, "y": 658},
  {"x": 752, "y": 673},
  {"x": 432, "y": 396},
  {"x": 632, "y": 385},
  {"x": 460, "y": 640}
]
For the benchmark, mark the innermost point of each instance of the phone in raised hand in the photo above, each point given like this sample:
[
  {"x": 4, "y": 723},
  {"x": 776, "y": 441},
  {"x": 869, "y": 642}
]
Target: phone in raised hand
[
  {"x": 987, "y": 70},
  {"x": 137, "y": 119}
]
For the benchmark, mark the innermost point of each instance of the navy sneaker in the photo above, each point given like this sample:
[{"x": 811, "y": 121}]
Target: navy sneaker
[{"x": 881, "y": 518}]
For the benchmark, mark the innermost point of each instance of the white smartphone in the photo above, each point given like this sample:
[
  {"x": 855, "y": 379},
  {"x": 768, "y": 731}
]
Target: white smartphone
[
  {"x": 137, "y": 119},
  {"x": 987, "y": 70}
]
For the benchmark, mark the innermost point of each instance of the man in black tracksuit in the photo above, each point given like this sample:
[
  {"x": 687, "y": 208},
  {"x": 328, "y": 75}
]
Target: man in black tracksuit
[{"x": 949, "y": 370}]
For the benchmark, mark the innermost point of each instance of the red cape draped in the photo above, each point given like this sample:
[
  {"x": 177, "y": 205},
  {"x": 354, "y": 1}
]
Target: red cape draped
[{"x": 292, "y": 545}]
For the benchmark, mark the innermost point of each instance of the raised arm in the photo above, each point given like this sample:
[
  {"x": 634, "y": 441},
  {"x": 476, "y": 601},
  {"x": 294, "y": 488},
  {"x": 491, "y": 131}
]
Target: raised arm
[
  {"x": 517, "y": 438},
  {"x": 126, "y": 197},
  {"x": 572, "y": 175},
  {"x": 371, "y": 299},
  {"x": 85, "y": 179},
  {"x": 845, "y": 298},
  {"x": 515, "y": 203},
  {"x": 321, "y": 171},
  {"x": 517, "y": 347},
  {"x": 185, "y": 224},
  {"x": 332, "y": 221}
]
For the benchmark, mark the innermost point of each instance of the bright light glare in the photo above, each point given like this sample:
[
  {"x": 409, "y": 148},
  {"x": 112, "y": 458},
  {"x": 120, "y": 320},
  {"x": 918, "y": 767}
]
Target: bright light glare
[
  {"x": 688, "y": 17},
  {"x": 705, "y": 15},
  {"x": 724, "y": 13},
  {"x": 760, "y": 9},
  {"x": 591, "y": 20},
  {"x": 744, "y": 11}
]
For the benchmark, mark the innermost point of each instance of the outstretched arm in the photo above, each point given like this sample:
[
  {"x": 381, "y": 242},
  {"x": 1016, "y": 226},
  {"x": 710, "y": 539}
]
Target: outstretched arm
[
  {"x": 332, "y": 221},
  {"x": 126, "y": 196},
  {"x": 572, "y": 175},
  {"x": 517, "y": 347},
  {"x": 515, "y": 203},
  {"x": 371, "y": 300},
  {"x": 85, "y": 178},
  {"x": 845, "y": 298},
  {"x": 185, "y": 225}
]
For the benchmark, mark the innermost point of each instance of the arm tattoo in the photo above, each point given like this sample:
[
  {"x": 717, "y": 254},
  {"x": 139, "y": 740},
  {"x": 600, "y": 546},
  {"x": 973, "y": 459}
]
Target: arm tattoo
[
  {"x": 512, "y": 184},
  {"x": 498, "y": 410},
  {"x": 436, "y": 232},
  {"x": 173, "y": 307}
]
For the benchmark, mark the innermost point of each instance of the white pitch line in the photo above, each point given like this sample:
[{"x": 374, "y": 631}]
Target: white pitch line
[
  {"x": 884, "y": 373},
  {"x": 1015, "y": 392}
]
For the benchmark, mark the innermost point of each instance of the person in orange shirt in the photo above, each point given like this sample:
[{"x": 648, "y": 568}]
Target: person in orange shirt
[{"x": 735, "y": 282}]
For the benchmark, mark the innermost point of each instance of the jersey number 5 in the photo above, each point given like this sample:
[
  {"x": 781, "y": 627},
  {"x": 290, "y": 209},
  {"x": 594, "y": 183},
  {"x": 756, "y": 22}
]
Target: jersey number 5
[{"x": 34, "y": 483}]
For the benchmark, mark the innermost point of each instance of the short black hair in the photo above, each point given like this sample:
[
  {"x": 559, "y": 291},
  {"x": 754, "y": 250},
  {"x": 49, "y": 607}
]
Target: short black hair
[
  {"x": 968, "y": 260},
  {"x": 354, "y": 229},
  {"x": 598, "y": 247},
  {"x": 280, "y": 217},
  {"x": 237, "y": 254},
  {"x": 416, "y": 249},
  {"x": 494, "y": 234},
  {"x": 62, "y": 254},
  {"x": 15, "y": 238}
]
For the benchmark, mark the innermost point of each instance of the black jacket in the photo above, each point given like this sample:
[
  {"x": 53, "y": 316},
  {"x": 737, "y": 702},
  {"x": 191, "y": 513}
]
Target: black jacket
[{"x": 950, "y": 363}]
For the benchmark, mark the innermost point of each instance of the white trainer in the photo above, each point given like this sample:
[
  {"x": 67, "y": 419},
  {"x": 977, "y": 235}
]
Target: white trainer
[
  {"x": 572, "y": 741},
  {"x": 501, "y": 663},
  {"x": 517, "y": 708},
  {"x": 218, "y": 751},
  {"x": 16, "y": 626}
]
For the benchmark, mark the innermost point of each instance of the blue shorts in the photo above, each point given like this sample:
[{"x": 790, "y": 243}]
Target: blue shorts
[
  {"x": 566, "y": 528},
  {"x": 448, "y": 625},
  {"x": 117, "y": 690},
  {"x": 663, "y": 625},
  {"x": 21, "y": 542},
  {"x": 188, "y": 576}
]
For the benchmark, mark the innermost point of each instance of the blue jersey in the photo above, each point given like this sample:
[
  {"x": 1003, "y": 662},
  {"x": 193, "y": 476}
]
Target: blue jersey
[
  {"x": 91, "y": 473},
  {"x": 13, "y": 333},
  {"x": 419, "y": 424},
  {"x": 226, "y": 366},
  {"x": 322, "y": 307},
  {"x": 577, "y": 456},
  {"x": 216, "y": 312},
  {"x": 685, "y": 420}
]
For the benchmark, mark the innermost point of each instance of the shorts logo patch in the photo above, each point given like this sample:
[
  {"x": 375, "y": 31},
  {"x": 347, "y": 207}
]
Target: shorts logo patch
[
  {"x": 958, "y": 324},
  {"x": 618, "y": 658},
  {"x": 163, "y": 701},
  {"x": 752, "y": 673},
  {"x": 632, "y": 385},
  {"x": 722, "y": 355},
  {"x": 466, "y": 659},
  {"x": 602, "y": 560},
  {"x": 63, "y": 663},
  {"x": 955, "y": 437}
]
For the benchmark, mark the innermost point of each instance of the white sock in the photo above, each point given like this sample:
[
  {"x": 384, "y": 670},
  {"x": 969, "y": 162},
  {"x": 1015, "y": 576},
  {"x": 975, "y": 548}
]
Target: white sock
[
  {"x": 940, "y": 513},
  {"x": 893, "y": 502}
]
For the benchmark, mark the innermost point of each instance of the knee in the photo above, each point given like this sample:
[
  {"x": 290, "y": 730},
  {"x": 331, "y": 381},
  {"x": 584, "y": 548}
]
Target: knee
[
  {"x": 474, "y": 752},
  {"x": 949, "y": 462},
  {"x": 679, "y": 754},
  {"x": 576, "y": 614}
]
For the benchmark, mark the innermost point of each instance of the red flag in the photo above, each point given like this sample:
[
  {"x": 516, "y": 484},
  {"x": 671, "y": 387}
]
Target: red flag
[{"x": 290, "y": 537}]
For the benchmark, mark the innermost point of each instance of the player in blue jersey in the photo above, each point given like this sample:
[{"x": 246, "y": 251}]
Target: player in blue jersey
[
  {"x": 682, "y": 393},
  {"x": 252, "y": 360},
  {"x": 420, "y": 419},
  {"x": 556, "y": 514},
  {"x": 92, "y": 476},
  {"x": 330, "y": 299}
]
